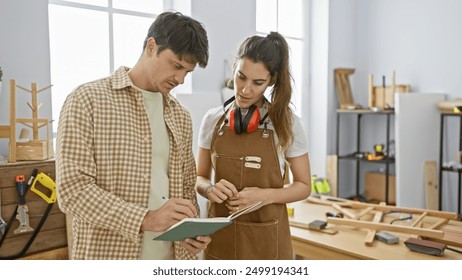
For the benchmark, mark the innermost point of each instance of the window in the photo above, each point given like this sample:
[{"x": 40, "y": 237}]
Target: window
[
  {"x": 285, "y": 17},
  {"x": 90, "y": 39}
]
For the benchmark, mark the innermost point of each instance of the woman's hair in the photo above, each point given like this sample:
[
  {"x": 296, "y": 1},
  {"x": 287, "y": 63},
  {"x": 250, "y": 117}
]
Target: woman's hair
[
  {"x": 273, "y": 52},
  {"x": 185, "y": 36}
]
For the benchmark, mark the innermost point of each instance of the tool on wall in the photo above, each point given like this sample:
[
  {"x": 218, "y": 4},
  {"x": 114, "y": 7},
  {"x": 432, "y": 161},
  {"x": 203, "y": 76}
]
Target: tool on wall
[
  {"x": 2, "y": 221},
  {"x": 22, "y": 211},
  {"x": 11, "y": 220},
  {"x": 48, "y": 183}
]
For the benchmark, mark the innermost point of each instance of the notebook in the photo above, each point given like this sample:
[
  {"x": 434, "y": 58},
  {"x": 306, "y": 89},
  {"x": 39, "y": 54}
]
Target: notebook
[{"x": 193, "y": 227}]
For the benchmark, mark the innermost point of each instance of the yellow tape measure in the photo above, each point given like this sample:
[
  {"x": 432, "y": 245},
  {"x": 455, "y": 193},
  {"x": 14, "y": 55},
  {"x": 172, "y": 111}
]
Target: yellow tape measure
[{"x": 47, "y": 182}]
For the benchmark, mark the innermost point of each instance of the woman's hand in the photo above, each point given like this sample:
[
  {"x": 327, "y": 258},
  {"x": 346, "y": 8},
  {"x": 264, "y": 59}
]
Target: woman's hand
[
  {"x": 247, "y": 197},
  {"x": 221, "y": 191}
]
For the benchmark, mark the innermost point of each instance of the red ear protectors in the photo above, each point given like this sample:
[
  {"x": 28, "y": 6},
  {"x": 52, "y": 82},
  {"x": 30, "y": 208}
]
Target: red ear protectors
[{"x": 248, "y": 124}]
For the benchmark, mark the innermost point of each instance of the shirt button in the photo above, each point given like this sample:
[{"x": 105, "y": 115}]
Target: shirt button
[
  {"x": 146, "y": 176},
  {"x": 146, "y": 139}
]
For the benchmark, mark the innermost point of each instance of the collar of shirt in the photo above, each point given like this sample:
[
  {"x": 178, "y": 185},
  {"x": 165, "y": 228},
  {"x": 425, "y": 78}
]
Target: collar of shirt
[{"x": 120, "y": 80}]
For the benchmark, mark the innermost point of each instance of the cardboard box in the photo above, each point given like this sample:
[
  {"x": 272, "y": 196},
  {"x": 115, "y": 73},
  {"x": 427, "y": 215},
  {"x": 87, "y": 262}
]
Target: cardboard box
[{"x": 375, "y": 187}]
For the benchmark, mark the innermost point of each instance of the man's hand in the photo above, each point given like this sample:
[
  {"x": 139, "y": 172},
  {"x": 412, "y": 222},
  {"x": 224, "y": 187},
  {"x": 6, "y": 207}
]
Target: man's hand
[
  {"x": 173, "y": 211},
  {"x": 195, "y": 246}
]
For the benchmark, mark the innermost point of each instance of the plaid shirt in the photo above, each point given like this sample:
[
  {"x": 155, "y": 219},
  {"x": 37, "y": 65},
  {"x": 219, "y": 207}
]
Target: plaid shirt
[{"x": 103, "y": 166}]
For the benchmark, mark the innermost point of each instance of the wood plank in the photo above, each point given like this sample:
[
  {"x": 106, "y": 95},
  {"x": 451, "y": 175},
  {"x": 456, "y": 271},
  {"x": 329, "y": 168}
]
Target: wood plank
[
  {"x": 45, "y": 240},
  {"x": 306, "y": 226},
  {"x": 53, "y": 221},
  {"x": 434, "y": 213},
  {"x": 326, "y": 200},
  {"x": 419, "y": 219},
  {"x": 331, "y": 174},
  {"x": 369, "y": 240},
  {"x": 364, "y": 212},
  {"x": 452, "y": 235},
  {"x": 397, "y": 228},
  {"x": 36, "y": 208},
  {"x": 55, "y": 254},
  {"x": 431, "y": 185},
  {"x": 344, "y": 211}
]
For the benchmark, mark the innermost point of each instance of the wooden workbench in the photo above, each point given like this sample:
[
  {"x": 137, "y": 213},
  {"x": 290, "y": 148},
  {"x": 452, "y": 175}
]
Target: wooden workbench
[{"x": 348, "y": 243}]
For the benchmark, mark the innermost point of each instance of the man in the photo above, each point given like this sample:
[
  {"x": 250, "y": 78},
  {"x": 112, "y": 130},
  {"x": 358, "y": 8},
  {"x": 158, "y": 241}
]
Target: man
[{"x": 124, "y": 162}]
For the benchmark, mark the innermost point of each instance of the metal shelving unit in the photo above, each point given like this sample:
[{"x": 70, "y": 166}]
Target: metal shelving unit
[
  {"x": 445, "y": 169},
  {"x": 387, "y": 161}
]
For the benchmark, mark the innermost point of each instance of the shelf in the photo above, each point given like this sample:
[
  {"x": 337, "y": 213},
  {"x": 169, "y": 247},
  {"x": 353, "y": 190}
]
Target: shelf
[
  {"x": 382, "y": 161},
  {"x": 446, "y": 169},
  {"x": 358, "y": 113},
  {"x": 364, "y": 111}
]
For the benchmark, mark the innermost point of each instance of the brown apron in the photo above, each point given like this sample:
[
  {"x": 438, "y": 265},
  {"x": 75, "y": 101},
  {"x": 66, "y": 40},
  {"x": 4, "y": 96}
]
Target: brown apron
[{"x": 248, "y": 160}]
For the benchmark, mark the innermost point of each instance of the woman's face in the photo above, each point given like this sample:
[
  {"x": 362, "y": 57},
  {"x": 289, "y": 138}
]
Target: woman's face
[{"x": 250, "y": 82}]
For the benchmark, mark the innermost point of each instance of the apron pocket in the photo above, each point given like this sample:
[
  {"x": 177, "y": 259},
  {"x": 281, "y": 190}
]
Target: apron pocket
[
  {"x": 232, "y": 166},
  {"x": 257, "y": 241}
]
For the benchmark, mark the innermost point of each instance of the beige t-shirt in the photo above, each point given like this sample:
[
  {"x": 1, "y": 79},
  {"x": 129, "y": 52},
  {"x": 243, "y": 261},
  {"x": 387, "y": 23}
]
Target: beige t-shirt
[{"x": 153, "y": 104}]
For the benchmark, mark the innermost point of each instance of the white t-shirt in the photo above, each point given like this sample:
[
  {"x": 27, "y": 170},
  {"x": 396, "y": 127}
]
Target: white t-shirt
[
  {"x": 298, "y": 147},
  {"x": 154, "y": 106}
]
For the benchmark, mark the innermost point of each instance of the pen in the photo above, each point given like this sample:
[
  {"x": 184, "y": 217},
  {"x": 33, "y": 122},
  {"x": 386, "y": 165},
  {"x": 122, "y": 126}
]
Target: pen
[{"x": 166, "y": 198}]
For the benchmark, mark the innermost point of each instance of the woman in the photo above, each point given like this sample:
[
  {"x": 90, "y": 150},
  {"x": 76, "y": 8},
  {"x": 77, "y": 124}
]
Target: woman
[{"x": 248, "y": 143}]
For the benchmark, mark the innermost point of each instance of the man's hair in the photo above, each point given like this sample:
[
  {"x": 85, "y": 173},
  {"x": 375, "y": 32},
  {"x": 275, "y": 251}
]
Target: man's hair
[{"x": 183, "y": 35}]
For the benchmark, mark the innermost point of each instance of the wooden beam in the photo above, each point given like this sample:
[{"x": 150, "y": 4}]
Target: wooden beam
[
  {"x": 327, "y": 200},
  {"x": 431, "y": 187},
  {"x": 344, "y": 211},
  {"x": 434, "y": 213},
  {"x": 12, "y": 121},
  {"x": 371, "y": 233},
  {"x": 419, "y": 219},
  {"x": 381, "y": 226}
]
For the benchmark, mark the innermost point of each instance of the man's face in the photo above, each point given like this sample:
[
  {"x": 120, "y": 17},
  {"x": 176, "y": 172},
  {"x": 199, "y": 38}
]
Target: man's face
[{"x": 166, "y": 70}]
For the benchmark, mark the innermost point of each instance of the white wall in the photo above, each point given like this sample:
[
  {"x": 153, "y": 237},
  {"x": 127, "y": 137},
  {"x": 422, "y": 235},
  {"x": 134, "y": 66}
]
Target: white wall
[
  {"x": 228, "y": 23},
  {"x": 319, "y": 86},
  {"x": 25, "y": 57}
]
